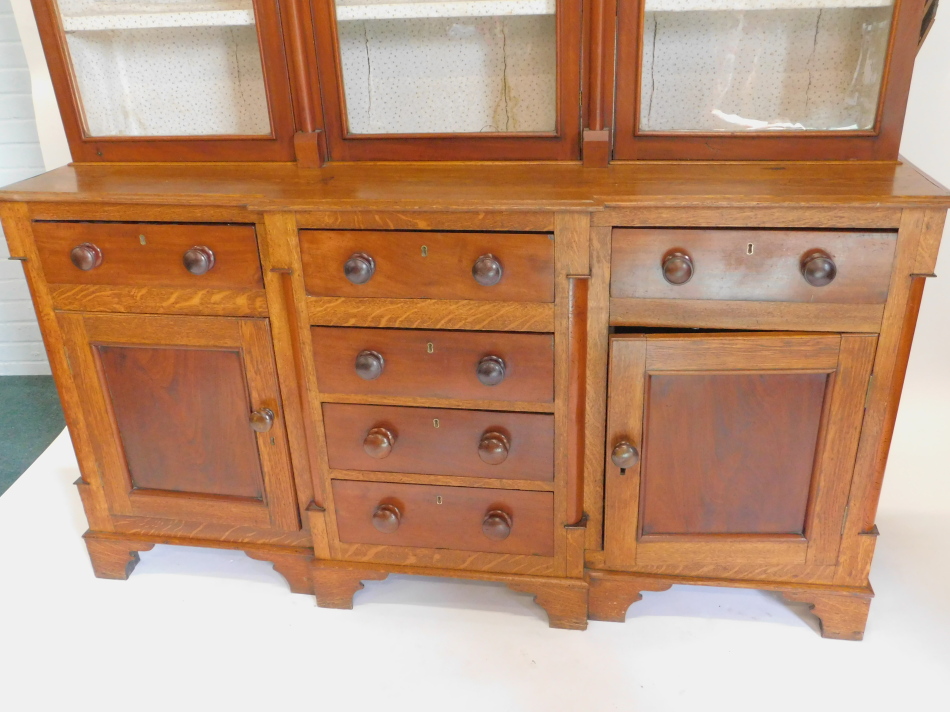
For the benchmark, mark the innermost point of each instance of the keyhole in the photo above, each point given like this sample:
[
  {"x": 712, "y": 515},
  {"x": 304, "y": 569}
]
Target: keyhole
[
  {"x": 438, "y": 499},
  {"x": 425, "y": 251},
  {"x": 430, "y": 348},
  {"x": 749, "y": 249},
  {"x": 435, "y": 422},
  {"x": 142, "y": 239}
]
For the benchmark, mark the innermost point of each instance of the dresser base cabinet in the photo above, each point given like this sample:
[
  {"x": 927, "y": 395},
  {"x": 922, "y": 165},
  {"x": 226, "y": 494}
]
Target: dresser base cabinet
[{"x": 582, "y": 384}]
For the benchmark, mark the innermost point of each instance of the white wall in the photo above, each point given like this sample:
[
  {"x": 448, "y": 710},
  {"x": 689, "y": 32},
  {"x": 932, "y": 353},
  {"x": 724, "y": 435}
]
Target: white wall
[{"x": 21, "y": 349}]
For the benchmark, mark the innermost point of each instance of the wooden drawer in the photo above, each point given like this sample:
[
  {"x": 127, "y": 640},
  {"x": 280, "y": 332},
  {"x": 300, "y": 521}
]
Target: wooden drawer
[
  {"x": 434, "y": 517},
  {"x": 435, "y": 364},
  {"x": 752, "y": 265},
  {"x": 439, "y": 441},
  {"x": 429, "y": 265},
  {"x": 150, "y": 255}
]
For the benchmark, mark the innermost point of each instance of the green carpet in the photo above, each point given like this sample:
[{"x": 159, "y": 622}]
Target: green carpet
[{"x": 30, "y": 418}]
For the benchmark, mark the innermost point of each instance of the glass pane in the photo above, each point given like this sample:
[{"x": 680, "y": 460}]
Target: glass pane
[
  {"x": 167, "y": 67},
  {"x": 449, "y": 67},
  {"x": 763, "y": 65}
]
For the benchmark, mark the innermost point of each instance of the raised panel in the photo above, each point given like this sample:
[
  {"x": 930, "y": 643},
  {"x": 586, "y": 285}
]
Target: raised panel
[
  {"x": 729, "y": 453},
  {"x": 182, "y": 416}
]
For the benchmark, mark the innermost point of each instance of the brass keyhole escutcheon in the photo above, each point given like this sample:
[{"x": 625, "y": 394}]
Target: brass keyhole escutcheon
[
  {"x": 141, "y": 239},
  {"x": 435, "y": 422},
  {"x": 430, "y": 348},
  {"x": 425, "y": 251},
  {"x": 750, "y": 249},
  {"x": 438, "y": 499}
]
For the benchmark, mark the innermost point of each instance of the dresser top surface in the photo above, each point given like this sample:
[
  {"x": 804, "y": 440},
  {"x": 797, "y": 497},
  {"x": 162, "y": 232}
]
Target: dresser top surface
[{"x": 495, "y": 186}]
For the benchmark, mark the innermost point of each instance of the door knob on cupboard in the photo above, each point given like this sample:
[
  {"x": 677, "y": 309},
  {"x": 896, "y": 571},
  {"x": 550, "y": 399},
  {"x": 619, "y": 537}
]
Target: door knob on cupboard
[
  {"x": 379, "y": 443},
  {"x": 818, "y": 268},
  {"x": 487, "y": 270},
  {"x": 493, "y": 447},
  {"x": 386, "y": 518},
  {"x": 624, "y": 455},
  {"x": 677, "y": 267},
  {"x": 360, "y": 268},
  {"x": 490, "y": 370},
  {"x": 262, "y": 420},
  {"x": 198, "y": 260},
  {"x": 369, "y": 365},
  {"x": 86, "y": 256}
]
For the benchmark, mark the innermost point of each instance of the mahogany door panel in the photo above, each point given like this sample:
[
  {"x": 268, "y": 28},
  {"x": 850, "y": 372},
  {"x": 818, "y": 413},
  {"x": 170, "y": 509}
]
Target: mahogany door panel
[
  {"x": 429, "y": 265},
  {"x": 149, "y": 255},
  {"x": 752, "y": 265},
  {"x": 461, "y": 518},
  {"x": 440, "y": 441},
  {"x": 737, "y": 454},
  {"x": 481, "y": 365},
  {"x": 186, "y": 418}
]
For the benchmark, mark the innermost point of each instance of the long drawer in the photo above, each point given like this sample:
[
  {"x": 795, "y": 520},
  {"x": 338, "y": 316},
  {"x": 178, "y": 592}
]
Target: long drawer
[
  {"x": 432, "y": 517},
  {"x": 826, "y": 266},
  {"x": 484, "y": 365},
  {"x": 440, "y": 441},
  {"x": 149, "y": 255},
  {"x": 515, "y": 267}
]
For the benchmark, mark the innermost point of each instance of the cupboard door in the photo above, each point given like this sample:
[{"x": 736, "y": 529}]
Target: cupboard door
[
  {"x": 732, "y": 448},
  {"x": 159, "y": 80},
  {"x": 186, "y": 417}
]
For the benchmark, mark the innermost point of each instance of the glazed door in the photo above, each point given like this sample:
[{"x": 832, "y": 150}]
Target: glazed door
[
  {"x": 185, "y": 417},
  {"x": 731, "y": 448}
]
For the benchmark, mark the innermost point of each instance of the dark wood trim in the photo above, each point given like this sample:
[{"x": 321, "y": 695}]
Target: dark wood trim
[
  {"x": 880, "y": 144},
  {"x": 278, "y": 146},
  {"x": 562, "y": 145}
]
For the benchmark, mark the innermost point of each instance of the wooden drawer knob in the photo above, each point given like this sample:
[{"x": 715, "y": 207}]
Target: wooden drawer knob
[
  {"x": 493, "y": 447},
  {"x": 624, "y": 455},
  {"x": 677, "y": 267},
  {"x": 262, "y": 420},
  {"x": 379, "y": 443},
  {"x": 86, "y": 256},
  {"x": 487, "y": 270},
  {"x": 496, "y": 525},
  {"x": 360, "y": 268},
  {"x": 369, "y": 365},
  {"x": 198, "y": 260},
  {"x": 386, "y": 518},
  {"x": 491, "y": 370},
  {"x": 818, "y": 268}
]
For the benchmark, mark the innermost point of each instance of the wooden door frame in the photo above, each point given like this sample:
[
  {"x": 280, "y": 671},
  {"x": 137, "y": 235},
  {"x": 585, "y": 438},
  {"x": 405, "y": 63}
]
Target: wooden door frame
[
  {"x": 847, "y": 359},
  {"x": 562, "y": 145},
  {"x": 879, "y": 144},
  {"x": 82, "y": 332},
  {"x": 276, "y": 146}
]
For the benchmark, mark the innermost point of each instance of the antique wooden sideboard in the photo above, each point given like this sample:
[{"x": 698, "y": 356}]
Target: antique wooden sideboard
[
  {"x": 589, "y": 297},
  {"x": 584, "y": 383}
]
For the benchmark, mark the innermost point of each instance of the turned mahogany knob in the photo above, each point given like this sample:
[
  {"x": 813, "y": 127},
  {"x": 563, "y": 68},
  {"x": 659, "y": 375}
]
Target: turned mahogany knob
[
  {"x": 624, "y": 455},
  {"x": 360, "y": 268},
  {"x": 487, "y": 270},
  {"x": 493, "y": 447},
  {"x": 491, "y": 370},
  {"x": 262, "y": 420},
  {"x": 198, "y": 260},
  {"x": 379, "y": 443},
  {"x": 818, "y": 268},
  {"x": 386, "y": 518},
  {"x": 496, "y": 525},
  {"x": 369, "y": 365},
  {"x": 86, "y": 256},
  {"x": 677, "y": 267}
]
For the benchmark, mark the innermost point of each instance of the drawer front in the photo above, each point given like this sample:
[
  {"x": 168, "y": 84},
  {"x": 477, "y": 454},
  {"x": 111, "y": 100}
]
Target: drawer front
[
  {"x": 433, "y": 517},
  {"x": 435, "y": 364},
  {"x": 751, "y": 265},
  {"x": 439, "y": 441},
  {"x": 428, "y": 265},
  {"x": 149, "y": 255}
]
